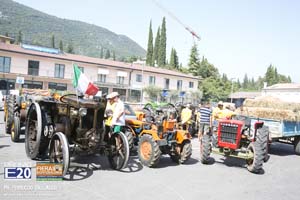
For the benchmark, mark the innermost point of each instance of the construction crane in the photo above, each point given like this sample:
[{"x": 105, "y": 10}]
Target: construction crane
[{"x": 194, "y": 34}]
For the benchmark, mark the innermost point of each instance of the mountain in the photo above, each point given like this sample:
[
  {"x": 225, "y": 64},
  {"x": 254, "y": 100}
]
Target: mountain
[{"x": 38, "y": 27}]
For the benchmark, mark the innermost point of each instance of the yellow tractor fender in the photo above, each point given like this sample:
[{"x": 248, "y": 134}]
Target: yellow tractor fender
[
  {"x": 182, "y": 135},
  {"x": 150, "y": 132}
]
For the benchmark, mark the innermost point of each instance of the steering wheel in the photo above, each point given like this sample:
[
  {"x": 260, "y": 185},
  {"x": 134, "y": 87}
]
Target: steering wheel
[{"x": 66, "y": 95}]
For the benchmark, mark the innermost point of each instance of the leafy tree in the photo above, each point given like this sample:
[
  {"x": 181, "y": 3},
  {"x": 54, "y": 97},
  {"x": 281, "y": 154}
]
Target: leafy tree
[
  {"x": 207, "y": 69},
  {"x": 70, "y": 48},
  {"x": 156, "y": 47},
  {"x": 19, "y": 38},
  {"x": 52, "y": 41},
  {"x": 194, "y": 61},
  {"x": 152, "y": 91},
  {"x": 163, "y": 44},
  {"x": 101, "y": 52},
  {"x": 149, "y": 57},
  {"x": 107, "y": 54},
  {"x": 114, "y": 55},
  {"x": 61, "y": 45}
]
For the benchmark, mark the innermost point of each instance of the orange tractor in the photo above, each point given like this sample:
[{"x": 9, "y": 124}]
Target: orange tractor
[{"x": 158, "y": 137}]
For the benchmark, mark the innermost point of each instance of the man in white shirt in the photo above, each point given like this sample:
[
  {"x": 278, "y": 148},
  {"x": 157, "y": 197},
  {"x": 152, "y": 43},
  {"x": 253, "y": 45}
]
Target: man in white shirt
[{"x": 118, "y": 119}]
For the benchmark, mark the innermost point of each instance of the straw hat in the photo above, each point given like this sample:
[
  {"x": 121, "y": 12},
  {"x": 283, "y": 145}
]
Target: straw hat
[{"x": 112, "y": 95}]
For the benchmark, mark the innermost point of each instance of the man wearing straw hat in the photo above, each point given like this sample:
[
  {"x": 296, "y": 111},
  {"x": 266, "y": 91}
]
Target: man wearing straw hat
[{"x": 118, "y": 117}]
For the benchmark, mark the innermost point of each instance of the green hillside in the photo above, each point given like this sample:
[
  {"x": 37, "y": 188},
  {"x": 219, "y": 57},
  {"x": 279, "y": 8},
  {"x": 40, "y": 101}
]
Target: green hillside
[{"x": 38, "y": 27}]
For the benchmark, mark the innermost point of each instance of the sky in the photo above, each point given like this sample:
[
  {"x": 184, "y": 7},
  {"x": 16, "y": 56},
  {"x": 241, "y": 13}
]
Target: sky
[{"x": 237, "y": 36}]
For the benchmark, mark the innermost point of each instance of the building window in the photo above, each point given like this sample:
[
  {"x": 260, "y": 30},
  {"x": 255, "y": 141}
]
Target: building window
[
  {"x": 102, "y": 78},
  {"x": 120, "y": 80},
  {"x": 138, "y": 78},
  {"x": 57, "y": 86},
  {"x": 191, "y": 84},
  {"x": 33, "y": 67},
  {"x": 151, "y": 80},
  {"x": 179, "y": 85},
  {"x": 59, "y": 71},
  {"x": 4, "y": 64},
  {"x": 81, "y": 69},
  {"x": 33, "y": 85},
  {"x": 167, "y": 83}
]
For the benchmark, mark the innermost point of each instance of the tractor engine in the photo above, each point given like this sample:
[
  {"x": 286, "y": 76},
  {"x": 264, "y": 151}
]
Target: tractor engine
[{"x": 229, "y": 134}]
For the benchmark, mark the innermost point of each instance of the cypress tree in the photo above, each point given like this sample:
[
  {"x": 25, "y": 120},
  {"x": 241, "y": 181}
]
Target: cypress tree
[
  {"x": 194, "y": 62},
  {"x": 61, "y": 45},
  {"x": 70, "y": 48},
  {"x": 149, "y": 58},
  {"x": 107, "y": 55},
  {"x": 53, "y": 41},
  {"x": 163, "y": 44},
  {"x": 172, "y": 60},
  {"x": 101, "y": 52},
  {"x": 156, "y": 47}
]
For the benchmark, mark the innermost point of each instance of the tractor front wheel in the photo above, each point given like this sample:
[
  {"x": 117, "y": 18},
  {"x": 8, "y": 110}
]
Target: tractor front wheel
[
  {"x": 255, "y": 165},
  {"x": 183, "y": 154},
  {"x": 10, "y": 113},
  {"x": 148, "y": 151},
  {"x": 15, "y": 130},
  {"x": 205, "y": 148}
]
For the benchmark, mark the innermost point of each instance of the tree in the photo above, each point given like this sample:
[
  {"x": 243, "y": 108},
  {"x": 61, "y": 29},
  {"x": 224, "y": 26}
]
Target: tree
[
  {"x": 101, "y": 52},
  {"x": 107, "y": 54},
  {"x": 152, "y": 91},
  {"x": 174, "y": 63},
  {"x": 270, "y": 76},
  {"x": 163, "y": 45},
  {"x": 156, "y": 48},
  {"x": 149, "y": 57},
  {"x": 61, "y": 45},
  {"x": 53, "y": 41},
  {"x": 19, "y": 37},
  {"x": 206, "y": 69},
  {"x": 70, "y": 48},
  {"x": 194, "y": 62},
  {"x": 114, "y": 55},
  {"x": 246, "y": 82}
]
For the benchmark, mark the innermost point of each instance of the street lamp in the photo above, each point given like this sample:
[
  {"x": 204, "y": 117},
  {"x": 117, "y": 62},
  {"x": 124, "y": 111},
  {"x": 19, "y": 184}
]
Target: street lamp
[{"x": 231, "y": 89}]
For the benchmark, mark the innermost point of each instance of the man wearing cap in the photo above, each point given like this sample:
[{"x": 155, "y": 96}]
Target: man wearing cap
[
  {"x": 218, "y": 111},
  {"x": 118, "y": 117}
]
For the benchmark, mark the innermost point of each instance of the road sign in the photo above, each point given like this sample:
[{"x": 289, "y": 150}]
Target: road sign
[{"x": 20, "y": 80}]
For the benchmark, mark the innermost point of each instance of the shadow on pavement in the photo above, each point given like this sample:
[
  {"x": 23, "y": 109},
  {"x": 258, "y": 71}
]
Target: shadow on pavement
[
  {"x": 3, "y": 146},
  {"x": 78, "y": 173},
  {"x": 280, "y": 149}
]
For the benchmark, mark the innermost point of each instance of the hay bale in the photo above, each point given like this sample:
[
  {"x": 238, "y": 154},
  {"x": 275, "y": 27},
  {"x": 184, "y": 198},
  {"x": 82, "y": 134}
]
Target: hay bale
[
  {"x": 270, "y": 113},
  {"x": 272, "y": 103}
]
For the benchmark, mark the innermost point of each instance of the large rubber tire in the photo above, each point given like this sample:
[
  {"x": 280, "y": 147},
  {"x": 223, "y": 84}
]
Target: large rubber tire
[
  {"x": 36, "y": 144},
  {"x": 297, "y": 146},
  {"x": 10, "y": 113},
  {"x": 15, "y": 130},
  {"x": 148, "y": 151},
  {"x": 184, "y": 154},
  {"x": 263, "y": 138},
  {"x": 255, "y": 165},
  {"x": 59, "y": 151},
  {"x": 119, "y": 151},
  {"x": 205, "y": 148},
  {"x": 130, "y": 137}
]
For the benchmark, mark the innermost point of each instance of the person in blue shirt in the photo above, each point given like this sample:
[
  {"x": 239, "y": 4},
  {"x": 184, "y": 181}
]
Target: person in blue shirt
[{"x": 205, "y": 119}]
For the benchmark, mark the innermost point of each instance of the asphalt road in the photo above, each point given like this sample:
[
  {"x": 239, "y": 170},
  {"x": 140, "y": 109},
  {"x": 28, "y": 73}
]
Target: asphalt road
[{"x": 91, "y": 178}]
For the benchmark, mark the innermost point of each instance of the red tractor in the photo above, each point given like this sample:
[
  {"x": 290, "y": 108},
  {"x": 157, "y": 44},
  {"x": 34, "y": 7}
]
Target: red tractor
[{"x": 240, "y": 139}]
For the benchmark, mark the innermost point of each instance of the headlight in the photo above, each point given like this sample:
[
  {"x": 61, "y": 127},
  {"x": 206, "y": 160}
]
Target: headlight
[{"x": 82, "y": 112}]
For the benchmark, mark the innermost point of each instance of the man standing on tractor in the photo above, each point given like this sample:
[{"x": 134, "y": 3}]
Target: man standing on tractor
[
  {"x": 186, "y": 115},
  {"x": 118, "y": 118},
  {"x": 205, "y": 120}
]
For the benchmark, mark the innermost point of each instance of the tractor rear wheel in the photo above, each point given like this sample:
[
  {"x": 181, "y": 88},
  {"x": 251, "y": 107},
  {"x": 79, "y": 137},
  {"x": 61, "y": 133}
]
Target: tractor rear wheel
[
  {"x": 130, "y": 136},
  {"x": 10, "y": 113},
  {"x": 185, "y": 152},
  {"x": 148, "y": 151},
  {"x": 255, "y": 165},
  {"x": 297, "y": 146},
  {"x": 15, "y": 130},
  {"x": 205, "y": 148},
  {"x": 263, "y": 138}
]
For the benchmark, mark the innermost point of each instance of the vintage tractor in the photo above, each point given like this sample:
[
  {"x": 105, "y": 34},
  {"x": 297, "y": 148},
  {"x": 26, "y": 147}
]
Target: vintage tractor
[
  {"x": 236, "y": 138},
  {"x": 160, "y": 137},
  {"x": 52, "y": 126}
]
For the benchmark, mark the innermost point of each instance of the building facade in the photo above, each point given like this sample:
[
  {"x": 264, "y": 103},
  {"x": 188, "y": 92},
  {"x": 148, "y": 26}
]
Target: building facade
[
  {"x": 284, "y": 91},
  {"x": 46, "y": 68}
]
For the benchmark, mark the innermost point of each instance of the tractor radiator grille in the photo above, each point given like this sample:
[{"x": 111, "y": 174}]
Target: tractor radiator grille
[{"x": 229, "y": 133}]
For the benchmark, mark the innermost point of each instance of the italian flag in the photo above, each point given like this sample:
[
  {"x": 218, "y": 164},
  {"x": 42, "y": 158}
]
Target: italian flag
[{"x": 82, "y": 83}]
